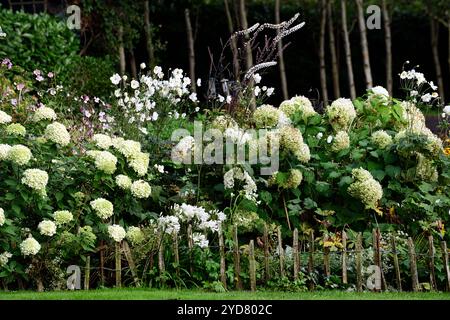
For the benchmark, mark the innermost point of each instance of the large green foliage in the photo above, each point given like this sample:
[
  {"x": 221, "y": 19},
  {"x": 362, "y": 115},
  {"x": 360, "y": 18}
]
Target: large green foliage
[{"x": 37, "y": 41}]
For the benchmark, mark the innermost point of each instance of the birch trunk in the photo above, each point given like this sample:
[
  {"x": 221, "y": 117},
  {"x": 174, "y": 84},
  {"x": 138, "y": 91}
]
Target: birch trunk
[
  {"x": 133, "y": 64},
  {"x": 364, "y": 44},
  {"x": 284, "y": 86},
  {"x": 148, "y": 34},
  {"x": 434, "y": 29},
  {"x": 234, "y": 49},
  {"x": 334, "y": 60},
  {"x": 244, "y": 24},
  {"x": 190, "y": 40},
  {"x": 323, "y": 71},
  {"x": 121, "y": 52},
  {"x": 388, "y": 42},
  {"x": 348, "y": 50}
]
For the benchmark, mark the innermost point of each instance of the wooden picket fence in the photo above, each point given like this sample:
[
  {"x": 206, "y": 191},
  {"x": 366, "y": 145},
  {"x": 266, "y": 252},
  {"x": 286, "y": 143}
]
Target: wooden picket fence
[{"x": 310, "y": 265}]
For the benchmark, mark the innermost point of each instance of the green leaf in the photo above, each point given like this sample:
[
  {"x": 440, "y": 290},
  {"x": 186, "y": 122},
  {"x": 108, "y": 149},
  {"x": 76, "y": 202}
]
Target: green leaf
[
  {"x": 310, "y": 204},
  {"x": 393, "y": 171}
]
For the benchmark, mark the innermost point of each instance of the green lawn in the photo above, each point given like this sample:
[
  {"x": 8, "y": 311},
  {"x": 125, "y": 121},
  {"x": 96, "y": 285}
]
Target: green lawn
[{"x": 152, "y": 294}]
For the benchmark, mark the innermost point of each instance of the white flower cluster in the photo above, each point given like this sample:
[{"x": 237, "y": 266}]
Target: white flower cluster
[
  {"x": 140, "y": 105},
  {"x": 200, "y": 240},
  {"x": 237, "y": 136},
  {"x": 116, "y": 232},
  {"x": 44, "y": 113},
  {"x": 123, "y": 182},
  {"x": 30, "y": 247},
  {"x": 4, "y": 148},
  {"x": 103, "y": 208},
  {"x": 57, "y": 133},
  {"x": 341, "y": 114},
  {"x": 291, "y": 139},
  {"x": 204, "y": 220},
  {"x": 298, "y": 105},
  {"x": 169, "y": 224},
  {"x": 365, "y": 188},
  {"x": 47, "y": 228},
  {"x": 4, "y": 117},
  {"x": 19, "y": 154},
  {"x": 102, "y": 141},
  {"x": 381, "y": 139},
  {"x": 62, "y": 217},
  {"x": 106, "y": 162},
  {"x": 16, "y": 129},
  {"x": 2, "y": 217},
  {"x": 340, "y": 142},
  {"x": 137, "y": 159},
  {"x": 135, "y": 235},
  {"x": 36, "y": 179},
  {"x": 426, "y": 170},
  {"x": 141, "y": 189},
  {"x": 4, "y": 258},
  {"x": 249, "y": 189},
  {"x": 266, "y": 116},
  {"x": 380, "y": 91}
]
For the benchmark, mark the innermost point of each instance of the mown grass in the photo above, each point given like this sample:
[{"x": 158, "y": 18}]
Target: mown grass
[{"x": 152, "y": 294}]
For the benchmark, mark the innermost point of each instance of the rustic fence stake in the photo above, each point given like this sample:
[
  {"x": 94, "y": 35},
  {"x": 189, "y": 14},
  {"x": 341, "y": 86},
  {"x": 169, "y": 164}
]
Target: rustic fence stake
[
  {"x": 295, "y": 254},
  {"x": 176, "y": 254},
  {"x": 376, "y": 238},
  {"x": 396, "y": 265},
  {"x": 280, "y": 251},
  {"x": 191, "y": 246},
  {"x": 266, "y": 253},
  {"x": 223, "y": 277},
  {"x": 118, "y": 256},
  {"x": 102, "y": 264},
  {"x": 445, "y": 260},
  {"x": 413, "y": 265},
  {"x": 432, "y": 253},
  {"x": 87, "y": 274},
  {"x": 131, "y": 264},
  {"x": 344, "y": 258},
  {"x": 252, "y": 265},
  {"x": 311, "y": 257},
  {"x": 237, "y": 259},
  {"x": 326, "y": 261},
  {"x": 358, "y": 262},
  {"x": 161, "y": 264}
]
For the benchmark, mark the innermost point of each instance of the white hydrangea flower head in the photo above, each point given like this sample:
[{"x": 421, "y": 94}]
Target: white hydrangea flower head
[
  {"x": 298, "y": 105},
  {"x": 2, "y": 217},
  {"x": 47, "y": 228},
  {"x": 30, "y": 247},
  {"x": 102, "y": 141},
  {"x": 341, "y": 114},
  {"x": 266, "y": 116},
  {"x": 340, "y": 142},
  {"x": 135, "y": 235},
  {"x": 224, "y": 122},
  {"x": 62, "y": 217},
  {"x": 283, "y": 120},
  {"x": 36, "y": 179},
  {"x": 141, "y": 189},
  {"x": 381, "y": 91},
  {"x": 106, "y": 162},
  {"x": 116, "y": 232},
  {"x": 4, "y": 117},
  {"x": 381, "y": 139},
  {"x": 44, "y": 113},
  {"x": 16, "y": 129},
  {"x": 4, "y": 149},
  {"x": 128, "y": 148},
  {"x": 426, "y": 170},
  {"x": 19, "y": 154},
  {"x": 139, "y": 162},
  {"x": 103, "y": 208},
  {"x": 123, "y": 182},
  {"x": 291, "y": 139},
  {"x": 57, "y": 133},
  {"x": 365, "y": 188}
]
